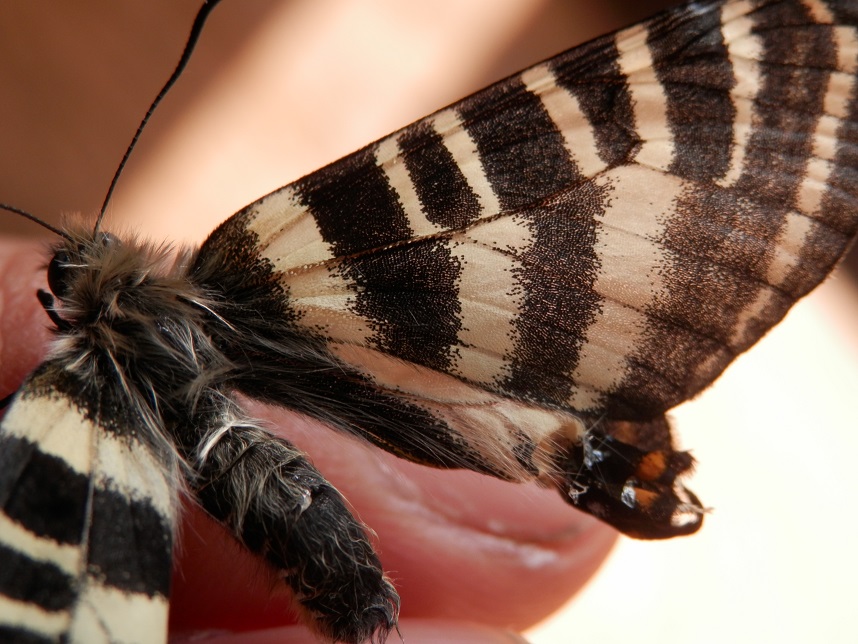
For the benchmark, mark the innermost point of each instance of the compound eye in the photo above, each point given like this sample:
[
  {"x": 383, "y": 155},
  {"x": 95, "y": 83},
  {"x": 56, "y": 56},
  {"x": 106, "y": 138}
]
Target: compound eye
[{"x": 59, "y": 273}]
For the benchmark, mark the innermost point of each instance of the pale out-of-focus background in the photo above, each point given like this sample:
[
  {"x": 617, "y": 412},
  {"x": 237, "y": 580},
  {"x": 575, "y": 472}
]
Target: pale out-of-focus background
[
  {"x": 775, "y": 561},
  {"x": 775, "y": 438}
]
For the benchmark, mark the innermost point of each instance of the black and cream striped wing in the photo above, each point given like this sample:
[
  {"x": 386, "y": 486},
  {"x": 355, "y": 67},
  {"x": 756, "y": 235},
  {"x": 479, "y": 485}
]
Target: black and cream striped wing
[
  {"x": 86, "y": 518},
  {"x": 581, "y": 246}
]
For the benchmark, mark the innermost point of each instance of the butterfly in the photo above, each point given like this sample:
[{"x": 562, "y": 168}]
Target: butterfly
[{"x": 521, "y": 284}]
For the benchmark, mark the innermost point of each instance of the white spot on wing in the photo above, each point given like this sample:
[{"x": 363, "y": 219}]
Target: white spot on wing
[
  {"x": 813, "y": 186},
  {"x": 793, "y": 237},
  {"x": 744, "y": 50},
  {"x": 732, "y": 10},
  {"x": 818, "y": 11},
  {"x": 846, "y": 41},
  {"x": 749, "y": 314}
]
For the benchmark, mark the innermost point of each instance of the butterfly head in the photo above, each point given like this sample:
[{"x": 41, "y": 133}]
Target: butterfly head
[
  {"x": 73, "y": 256},
  {"x": 101, "y": 280}
]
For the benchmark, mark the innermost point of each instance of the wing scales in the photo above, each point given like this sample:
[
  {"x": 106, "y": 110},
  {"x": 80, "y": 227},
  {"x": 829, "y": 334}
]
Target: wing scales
[
  {"x": 86, "y": 524},
  {"x": 609, "y": 244},
  {"x": 624, "y": 220}
]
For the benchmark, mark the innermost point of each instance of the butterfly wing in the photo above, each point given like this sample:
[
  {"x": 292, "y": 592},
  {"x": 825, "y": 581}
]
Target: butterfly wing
[
  {"x": 570, "y": 252},
  {"x": 86, "y": 518}
]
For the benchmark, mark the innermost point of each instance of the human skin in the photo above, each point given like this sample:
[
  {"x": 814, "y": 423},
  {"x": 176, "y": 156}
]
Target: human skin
[{"x": 473, "y": 558}]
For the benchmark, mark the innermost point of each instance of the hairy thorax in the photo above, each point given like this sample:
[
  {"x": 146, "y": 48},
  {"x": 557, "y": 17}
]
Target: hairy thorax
[{"x": 127, "y": 314}]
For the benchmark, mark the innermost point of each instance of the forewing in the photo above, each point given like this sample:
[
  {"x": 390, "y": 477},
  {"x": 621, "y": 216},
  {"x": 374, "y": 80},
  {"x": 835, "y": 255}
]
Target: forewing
[
  {"x": 596, "y": 237},
  {"x": 605, "y": 231},
  {"x": 86, "y": 521}
]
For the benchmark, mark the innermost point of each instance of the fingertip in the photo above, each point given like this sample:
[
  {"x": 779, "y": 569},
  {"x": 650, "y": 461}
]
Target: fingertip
[
  {"x": 24, "y": 327},
  {"x": 411, "y": 631}
]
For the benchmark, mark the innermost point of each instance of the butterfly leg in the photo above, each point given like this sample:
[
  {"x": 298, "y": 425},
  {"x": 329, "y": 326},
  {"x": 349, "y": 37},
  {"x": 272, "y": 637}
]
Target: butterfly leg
[
  {"x": 279, "y": 506},
  {"x": 47, "y": 302}
]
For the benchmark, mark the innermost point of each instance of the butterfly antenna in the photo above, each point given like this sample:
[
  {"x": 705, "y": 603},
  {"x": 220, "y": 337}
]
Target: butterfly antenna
[
  {"x": 196, "y": 30},
  {"x": 31, "y": 217}
]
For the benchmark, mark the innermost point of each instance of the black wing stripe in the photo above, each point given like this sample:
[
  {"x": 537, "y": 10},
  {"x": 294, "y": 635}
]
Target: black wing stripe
[
  {"x": 441, "y": 188},
  {"x": 691, "y": 64},
  {"x": 129, "y": 542},
  {"x": 591, "y": 74},
  {"x": 555, "y": 313},
  {"x": 47, "y": 496},
  {"x": 567, "y": 113},
  {"x": 388, "y": 157},
  {"x": 522, "y": 152},
  {"x": 87, "y": 516},
  {"x": 359, "y": 212},
  {"x": 461, "y": 145},
  {"x": 41, "y": 583},
  {"x": 419, "y": 323}
]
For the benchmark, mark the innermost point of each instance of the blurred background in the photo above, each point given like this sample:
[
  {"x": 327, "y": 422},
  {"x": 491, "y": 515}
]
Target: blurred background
[{"x": 278, "y": 89}]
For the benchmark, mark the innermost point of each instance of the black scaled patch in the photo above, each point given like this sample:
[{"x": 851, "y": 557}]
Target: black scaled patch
[
  {"x": 356, "y": 209},
  {"x": 692, "y": 64},
  {"x": 410, "y": 295},
  {"x": 130, "y": 544},
  {"x": 28, "y": 580},
  {"x": 522, "y": 152},
  {"x": 445, "y": 195},
  {"x": 42, "y": 492}
]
